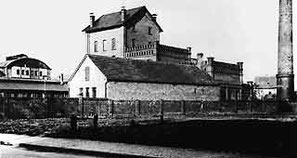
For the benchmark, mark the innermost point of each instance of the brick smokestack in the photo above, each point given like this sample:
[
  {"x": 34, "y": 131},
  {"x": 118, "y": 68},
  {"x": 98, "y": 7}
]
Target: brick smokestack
[{"x": 285, "y": 76}]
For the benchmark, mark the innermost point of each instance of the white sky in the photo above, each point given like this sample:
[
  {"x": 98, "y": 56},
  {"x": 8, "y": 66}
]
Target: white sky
[{"x": 229, "y": 30}]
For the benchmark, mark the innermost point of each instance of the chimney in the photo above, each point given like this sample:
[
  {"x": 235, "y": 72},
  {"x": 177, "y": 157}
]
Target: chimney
[
  {"x": 210, "y": 67},
  {"x": 189, "y": 49},
  {"x": 240, "y": 66},
  {"x": 123, "y": 13},
  {"x": 210, "y": 60},
  {"x": 199, "y": 60},
  {"x": 92, "y": 19},
  {"x": 61, "y": 78},
  {"x": 154, "y": 16}
]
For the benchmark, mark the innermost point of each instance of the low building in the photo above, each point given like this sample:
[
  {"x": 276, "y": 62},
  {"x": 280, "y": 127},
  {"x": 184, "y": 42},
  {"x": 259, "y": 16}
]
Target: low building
[
  {"x": 228, "y": 75},
  {"x": 265, "y": 87},
  {"x": 22, "y": 76},
  {"x": 124, "y": 79}
]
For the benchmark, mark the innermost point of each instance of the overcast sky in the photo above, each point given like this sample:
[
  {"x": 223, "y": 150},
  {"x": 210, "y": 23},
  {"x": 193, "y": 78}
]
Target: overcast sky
[{"x": 229, "y": 30}]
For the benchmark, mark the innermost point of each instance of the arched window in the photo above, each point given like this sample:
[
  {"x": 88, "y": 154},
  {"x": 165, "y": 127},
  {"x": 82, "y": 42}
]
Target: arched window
[
  {"x": 87, "y": 73},
  {"x": 113, "y": 44},
  {"x": 96, "y": 46}
]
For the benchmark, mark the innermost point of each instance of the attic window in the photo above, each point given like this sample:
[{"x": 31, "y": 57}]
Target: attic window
[
  {"x": 87, "y": 73},
  {"x": 150, "y": 30}
]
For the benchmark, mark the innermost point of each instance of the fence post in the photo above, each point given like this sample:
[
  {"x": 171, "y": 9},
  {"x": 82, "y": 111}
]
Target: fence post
[
  {"x": 111, "y": 108},
  {"x": 137, "y": 108},
  {"x": 161, "y": 110},
  {"x": 95, "y": 120},
  {"x": 183, "y": 107}
]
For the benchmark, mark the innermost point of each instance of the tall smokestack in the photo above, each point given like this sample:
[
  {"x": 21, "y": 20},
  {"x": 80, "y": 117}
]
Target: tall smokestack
[{"x": 285, "y": 76}]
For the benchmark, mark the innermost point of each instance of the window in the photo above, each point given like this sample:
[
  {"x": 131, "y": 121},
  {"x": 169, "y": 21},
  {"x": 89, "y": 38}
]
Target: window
[
  {"x": 27, "y": 72},
  {"x": 23, "y": 72},
  {"x": 150, "y": 30},
  {"x": 87, "y": 92},
  {"x": 94, "y": 92},
  {"x": 36, "y": 73},
  {"x": 133, "y": 43},
  {"x": 18, "y": 72},
  {"x": 81, "y": 92},
  {"x": 40, "y": 73},
  {"x": 87, "y": 73},
  {"x": 113, "y": 44},
  {"x": 96, "y": 46},
  {"x": 104, "y": 45},
  {"x": 133, "y": 29}
]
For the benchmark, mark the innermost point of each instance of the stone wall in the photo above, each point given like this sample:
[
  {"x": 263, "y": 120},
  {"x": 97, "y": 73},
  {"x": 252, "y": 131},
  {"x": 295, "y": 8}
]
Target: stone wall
[{"x": 153, "y": 91}]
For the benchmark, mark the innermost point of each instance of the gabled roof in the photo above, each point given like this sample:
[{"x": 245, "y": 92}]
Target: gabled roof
[
  {"x": 124, "y": 70},
  {"x": 113, "y": 20}
]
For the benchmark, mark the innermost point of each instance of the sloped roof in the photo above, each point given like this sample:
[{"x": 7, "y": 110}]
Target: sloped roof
[
  {"x": 124, "y": 70},
  {"x": 29, "y": 62},
  {"x": 113, "y": 20},
  {"x": 32, "y": 85}
]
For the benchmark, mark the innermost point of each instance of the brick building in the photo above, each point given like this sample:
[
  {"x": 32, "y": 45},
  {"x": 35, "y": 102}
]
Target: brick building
[
  {"x": 133, "y": 34},
  {"x": 126, "y": 79},
  {"x": 22, "y": 76},
  {"x": 229, "y": 76}
]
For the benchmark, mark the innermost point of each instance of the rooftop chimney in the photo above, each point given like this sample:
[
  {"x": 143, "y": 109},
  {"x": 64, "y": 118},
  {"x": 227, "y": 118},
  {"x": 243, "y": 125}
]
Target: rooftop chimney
[
  {"x": 189, "y": 49},
  {"x": 123, "y": 13},
  {"x": 199, "y": 60},
  {"x": 61, "y": 78},
  {"x": 154, "y": 16},
  {"x": 92, "y": 19}
]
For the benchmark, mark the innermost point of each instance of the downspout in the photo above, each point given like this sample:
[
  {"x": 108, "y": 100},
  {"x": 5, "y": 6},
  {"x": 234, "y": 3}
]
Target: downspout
[{"x": 106, "y": 89}]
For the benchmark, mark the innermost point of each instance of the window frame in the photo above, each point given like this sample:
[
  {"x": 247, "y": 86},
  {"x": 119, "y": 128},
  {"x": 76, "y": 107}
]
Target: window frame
[
  {"x": 104, "y": 45},
  {"x": 149, "y": 31},
  {"x": 95, "y": 46},
  {"x": 113, "y": 43},
  {"x": 87, "y": 73},
  {"x": 94, "y": 92}
]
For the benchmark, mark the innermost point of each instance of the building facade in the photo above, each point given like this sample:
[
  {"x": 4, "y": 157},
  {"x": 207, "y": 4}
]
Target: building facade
[
  {"x": 265, "y": 87},
  {"x": 126, "y": 79},
  {"x": 132, "y": 34},
  {"x": 22, "y": 76},
  {"x": 228, "y": 75}
]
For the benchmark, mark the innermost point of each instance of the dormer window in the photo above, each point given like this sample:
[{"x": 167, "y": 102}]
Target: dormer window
[
  {"x": 150, "y": 30},
  {"x": 96, "y": 46},
  {"x": 113, "y": 44}
]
